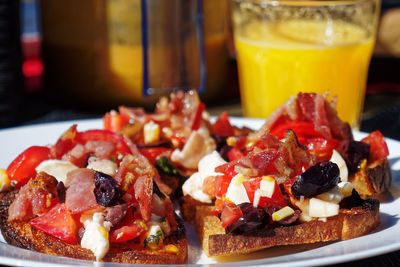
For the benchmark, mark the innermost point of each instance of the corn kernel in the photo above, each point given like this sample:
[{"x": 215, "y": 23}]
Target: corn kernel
[
  {"x": 231, "y": 141},
  {"x": 363, "y": 164},
  {"x": 151, "y": 132},
  {"x": 282, "y": 213},
  {"x": 268, "y": 178},
  {"x": 172, "y": 249},
  {"x": 5, "y": 182}
]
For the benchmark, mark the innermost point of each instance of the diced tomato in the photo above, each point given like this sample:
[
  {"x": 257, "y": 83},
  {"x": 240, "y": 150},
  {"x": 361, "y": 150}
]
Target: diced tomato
[
  {"x": 125, "y": 233},
  {"x": 303, "y": 129},
  {"x": 288, "y": 185},
  {"x": 235, "y": 154},
  {"x": 198, "y": 118},
  {"x": 218, "y": 206},
  {"x": 104, "y": 135},
  {"x": 321, "y": 147},
  {"x": 66, "y": 142},
  {"x": 227, "y": 168},
  {"x": 222, "y": 126},
  {"x": 230, "y": 213},
  {"x": 216, "y": 186},
  {"x": 114, "y": 121},
  {"x": 128, "y": 229},
  {"x": 152, "y": 153},
  {"x": 58, "y": 222},
  {"x": 22, "y": 168},
  {"x": 378, "y": 147},
  {"x": 253, "y": 184}
]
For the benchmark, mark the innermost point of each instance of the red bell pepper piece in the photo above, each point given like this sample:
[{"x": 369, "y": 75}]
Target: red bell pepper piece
[
  {"x": 235, "y": 154},
  {"x": 58, "y": 222},
  {"x": 114, "y": 121},
  {"x": 302, "y": 129},
  {"x": 152, "y": 153},
  {"x": 222, "y": 126},
  {"x": 22, "y": 168},
  {"x": 198, "y": 118},
  {"x": 378, "y": 148}
]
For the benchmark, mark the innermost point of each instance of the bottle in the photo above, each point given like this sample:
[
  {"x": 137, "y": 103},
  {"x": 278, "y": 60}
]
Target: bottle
[{"x": 11, "y": 83}]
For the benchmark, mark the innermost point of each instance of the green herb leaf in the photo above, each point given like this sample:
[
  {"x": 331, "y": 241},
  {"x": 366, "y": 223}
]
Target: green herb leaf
[{"x": 166, "y": 167}]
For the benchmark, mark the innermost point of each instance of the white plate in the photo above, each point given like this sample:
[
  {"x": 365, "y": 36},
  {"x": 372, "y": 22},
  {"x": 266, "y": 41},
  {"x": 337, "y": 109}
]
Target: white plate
[{"x": 385, "y": 239}]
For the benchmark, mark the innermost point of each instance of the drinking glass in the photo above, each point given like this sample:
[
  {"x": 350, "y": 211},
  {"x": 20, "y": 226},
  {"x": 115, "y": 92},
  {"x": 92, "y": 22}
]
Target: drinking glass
[{"x": 290, "y": 46}]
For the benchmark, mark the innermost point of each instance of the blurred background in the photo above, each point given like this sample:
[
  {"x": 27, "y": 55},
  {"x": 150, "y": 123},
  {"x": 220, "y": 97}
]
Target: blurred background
[{"x": 46, "y": 84}]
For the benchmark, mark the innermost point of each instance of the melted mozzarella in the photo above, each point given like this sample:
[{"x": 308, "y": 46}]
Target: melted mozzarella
[
  {"x": 95, "y": 237},
  {"x": 56, "y": 168}
]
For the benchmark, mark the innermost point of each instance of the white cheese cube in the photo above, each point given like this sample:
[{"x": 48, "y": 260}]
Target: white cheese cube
[
  {"x": 95, "y": 237},
  {"x": 236, "y": 191},
  {"x": 267, "y": 186},
  {"x": 320, "y": 208}
]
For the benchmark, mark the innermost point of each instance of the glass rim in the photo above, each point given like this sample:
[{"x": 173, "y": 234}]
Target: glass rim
[{"x": 310, "y": 3}]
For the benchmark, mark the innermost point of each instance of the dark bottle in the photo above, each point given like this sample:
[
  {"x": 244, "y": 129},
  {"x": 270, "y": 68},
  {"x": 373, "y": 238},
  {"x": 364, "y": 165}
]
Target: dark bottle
[{"x": 11, "y": 83}]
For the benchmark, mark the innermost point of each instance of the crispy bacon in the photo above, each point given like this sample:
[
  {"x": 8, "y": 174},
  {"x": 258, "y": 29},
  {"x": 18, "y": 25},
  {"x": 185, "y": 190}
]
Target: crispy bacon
[
  {"x": 312, "y": 106},
  {"x": 308, "y": 107},
  {"x": 282, "y": 159},
  {"x": 34, "y": 198},
  {"x": 145, "y": 164},
  {"x": 100, "y": 148},
  {"x": 143, "y": 192}
]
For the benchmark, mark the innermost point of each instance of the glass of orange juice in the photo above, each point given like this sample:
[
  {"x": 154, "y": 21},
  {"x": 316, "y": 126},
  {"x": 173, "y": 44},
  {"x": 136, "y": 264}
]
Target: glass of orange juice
[{"x": 290, "y": 46}]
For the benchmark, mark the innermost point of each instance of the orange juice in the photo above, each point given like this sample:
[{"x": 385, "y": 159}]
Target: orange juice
[{"x": 278, "y": 60}]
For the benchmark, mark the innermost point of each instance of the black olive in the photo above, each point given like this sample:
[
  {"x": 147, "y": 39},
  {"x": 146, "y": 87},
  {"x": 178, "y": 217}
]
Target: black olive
[
  {"x": 355, "y": 154},
  {"x": 253, "y": 219},
  {"x": 106, "y": 190},
  {"x": 61, "y": 192},
  {"x": 222, "y": 146},
  {"x": 316, "y": 180}
]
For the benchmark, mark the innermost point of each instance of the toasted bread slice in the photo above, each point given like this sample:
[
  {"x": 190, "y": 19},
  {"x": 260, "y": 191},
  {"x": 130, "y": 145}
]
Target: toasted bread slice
[
  {"x": 373, "y": 180},
  {"x": 350, "y": 223},
  {"x": 22, "y": 234}
]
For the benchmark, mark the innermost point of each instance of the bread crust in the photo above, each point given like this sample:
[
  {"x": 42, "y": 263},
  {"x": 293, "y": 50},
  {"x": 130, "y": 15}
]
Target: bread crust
[
  {"x": 373, "y": 180},
  {"x": 22, "y": 234},
  {"x": 350, "y": 223}
]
